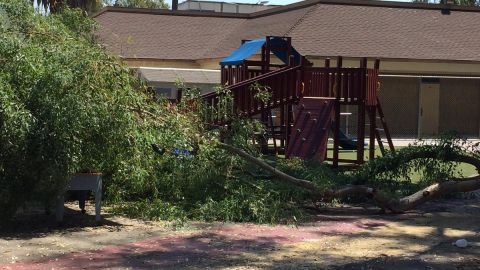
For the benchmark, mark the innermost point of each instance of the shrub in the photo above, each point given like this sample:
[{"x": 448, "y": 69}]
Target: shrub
[{"x": 67, "y": 106}]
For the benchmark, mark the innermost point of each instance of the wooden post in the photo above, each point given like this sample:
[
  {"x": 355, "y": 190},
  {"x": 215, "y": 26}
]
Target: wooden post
[
  {"x": 263, "y": 59},
  {"x": 373, "y": 121},
  {"x": 339, "y": 61},
  {"x": 283, "y": 126},
  {"x": 377, "y": 64},
  {"x": 336, "y": 132},
  {"x": 230, "y": 77},
  {"x": 222, "y": 75},
  {"x": 267, "y": 55},
  {"x": 289, "y": 119},
  {"x": 361, "y": 113},
  {"x": 291, "y": 61},
  {"x": 264, "y": 141}
]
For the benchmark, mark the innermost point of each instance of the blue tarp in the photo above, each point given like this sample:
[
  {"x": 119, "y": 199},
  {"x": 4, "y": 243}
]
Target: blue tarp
[
  {"x": 251, "y": 47},
  {"x": 246, "y": 50},
  {"x": 282, "y": 55}
]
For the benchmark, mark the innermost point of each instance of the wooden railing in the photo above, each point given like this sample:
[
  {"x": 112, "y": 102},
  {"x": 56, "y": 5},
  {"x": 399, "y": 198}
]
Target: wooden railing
[
  {"x": 288, "y": 84},
  {"x": 283, "y": 85},
  {"x": 372, "y": 87},
  {"x": 231, "y": 75},
  {"x": 349, "y": 85}
]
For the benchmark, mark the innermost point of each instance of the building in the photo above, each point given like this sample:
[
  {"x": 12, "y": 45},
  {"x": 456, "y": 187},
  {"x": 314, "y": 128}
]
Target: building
[
  {"x": 430, "y": 54},
  {"x": 211, "y": 6}
]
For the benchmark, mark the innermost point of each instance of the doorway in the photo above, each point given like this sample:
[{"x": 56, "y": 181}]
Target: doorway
[{"x": 429, "y": 109}]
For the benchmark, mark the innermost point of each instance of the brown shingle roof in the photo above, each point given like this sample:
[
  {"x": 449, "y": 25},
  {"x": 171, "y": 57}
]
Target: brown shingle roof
[
  {"x": 273, "y": 25},
  {"x": 388, "y": 33},
  {"x": 317, "y": 28},
  {"x": 143, "y": 35}
]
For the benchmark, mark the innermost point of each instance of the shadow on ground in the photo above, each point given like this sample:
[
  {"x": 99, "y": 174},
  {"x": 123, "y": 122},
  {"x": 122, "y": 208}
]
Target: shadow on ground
[
  {"x": 339, "y": 238},
  {"x": 36, "y": 224}
]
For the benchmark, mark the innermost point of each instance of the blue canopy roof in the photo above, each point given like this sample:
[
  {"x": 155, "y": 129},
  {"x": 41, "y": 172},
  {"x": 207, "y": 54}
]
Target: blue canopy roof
[{"x": 251, "y": 47}]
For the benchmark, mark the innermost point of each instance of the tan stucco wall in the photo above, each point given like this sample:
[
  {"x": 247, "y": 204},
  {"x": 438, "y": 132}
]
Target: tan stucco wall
[
  {"x": 399, "y": 100},
  {"x": 204, "y": 88},
  {"x": 194, "y": 64},
  {"x": 429, "y": 67},
  {"x": 135, "y": 63},
  {"x": 387, "y": 66},
  {"x": 460, "y": 106},
  {"x": 420, "y": 67},
  {"x": 209, "y": 63},
  {"x": 213, "y": 63}
]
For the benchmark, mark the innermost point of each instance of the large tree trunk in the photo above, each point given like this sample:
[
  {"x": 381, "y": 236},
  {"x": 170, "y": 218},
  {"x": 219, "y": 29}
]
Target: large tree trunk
[{"x": 381, "y": 198}]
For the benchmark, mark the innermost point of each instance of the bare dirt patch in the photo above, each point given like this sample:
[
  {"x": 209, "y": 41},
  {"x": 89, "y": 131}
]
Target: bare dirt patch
[{"x": 338, "y": 238}]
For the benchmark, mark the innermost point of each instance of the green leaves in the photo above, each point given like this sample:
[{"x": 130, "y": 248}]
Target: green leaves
[
  {"x": 416, "y": 166},
  {"x": 65, "y": 106},
  {"x": 262, "y": 92}
]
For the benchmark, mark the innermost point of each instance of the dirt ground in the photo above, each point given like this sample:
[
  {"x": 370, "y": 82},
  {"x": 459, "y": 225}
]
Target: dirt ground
[{"x": 339, "y": 238}]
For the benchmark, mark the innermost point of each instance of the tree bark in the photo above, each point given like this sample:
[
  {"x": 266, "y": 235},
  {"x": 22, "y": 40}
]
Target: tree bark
[
  {"x": 262, "y": 164},
  {"x": 383, "y": 200}
]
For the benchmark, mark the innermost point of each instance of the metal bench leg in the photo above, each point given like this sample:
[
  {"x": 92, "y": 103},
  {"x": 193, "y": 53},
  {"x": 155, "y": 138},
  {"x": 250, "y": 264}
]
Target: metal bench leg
[
  {"x": 82, "y": 197},
  {"x": 59, "y": 208},
  {"x": 98, "y": 200}
]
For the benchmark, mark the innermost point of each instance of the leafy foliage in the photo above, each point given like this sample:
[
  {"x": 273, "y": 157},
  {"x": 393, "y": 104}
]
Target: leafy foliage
[
  {"x": 262, "y": 92},
  {"x": 137, "y": 3},
  {"x": 395, "y": 171},
  {"x": 67, "y": 106},
  {"x": 55, "y": 6}
]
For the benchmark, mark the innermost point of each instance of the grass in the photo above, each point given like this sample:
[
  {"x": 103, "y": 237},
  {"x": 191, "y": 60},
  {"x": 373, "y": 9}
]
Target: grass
[{"x": 462, "y": 168}]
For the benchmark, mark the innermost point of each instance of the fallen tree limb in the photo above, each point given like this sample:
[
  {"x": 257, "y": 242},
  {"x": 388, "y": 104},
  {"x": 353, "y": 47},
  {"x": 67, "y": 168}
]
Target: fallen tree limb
[
  {"x": 427, "y": 152},
  {"x": 384, "y": 200},
  {"x": 262, "y": 164}
]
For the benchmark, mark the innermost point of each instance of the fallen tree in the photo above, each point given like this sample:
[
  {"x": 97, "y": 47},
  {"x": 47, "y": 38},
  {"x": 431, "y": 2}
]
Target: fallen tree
[{"x": 381, "y": 198}]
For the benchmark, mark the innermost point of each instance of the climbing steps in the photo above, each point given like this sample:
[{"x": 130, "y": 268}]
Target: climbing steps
[
  {"x": 376, "y": 113},
  {"x": 309, "y": 135}
]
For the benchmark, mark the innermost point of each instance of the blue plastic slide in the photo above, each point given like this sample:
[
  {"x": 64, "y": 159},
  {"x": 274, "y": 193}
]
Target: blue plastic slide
[{"x": 347, "y": 142}]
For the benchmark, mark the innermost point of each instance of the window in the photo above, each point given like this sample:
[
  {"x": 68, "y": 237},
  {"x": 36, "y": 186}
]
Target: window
[{"x": 166, "y": 92}]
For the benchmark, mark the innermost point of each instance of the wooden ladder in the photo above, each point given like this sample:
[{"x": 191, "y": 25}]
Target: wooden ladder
[{"x": 372, "y": 112}]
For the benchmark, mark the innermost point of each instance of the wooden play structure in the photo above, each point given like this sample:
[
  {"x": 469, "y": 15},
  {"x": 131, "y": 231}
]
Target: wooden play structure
[{"x": 306, "y": 101}]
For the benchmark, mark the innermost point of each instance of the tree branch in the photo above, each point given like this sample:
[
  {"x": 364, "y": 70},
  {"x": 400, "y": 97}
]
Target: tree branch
[
  {"x": 262, "y": 164},
  {"x": 383, "y": 199}
]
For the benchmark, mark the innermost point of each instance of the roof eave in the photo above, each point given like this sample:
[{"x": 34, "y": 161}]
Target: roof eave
[
  {"x": 371, "y": 3},
  {"x": 191, "y": 13}
]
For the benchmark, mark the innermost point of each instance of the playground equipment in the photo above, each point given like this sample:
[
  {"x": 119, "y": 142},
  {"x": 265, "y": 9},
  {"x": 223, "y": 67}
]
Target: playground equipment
[
  {"x": 306, "y": 99},
  {"x": 347, "y": 142}
]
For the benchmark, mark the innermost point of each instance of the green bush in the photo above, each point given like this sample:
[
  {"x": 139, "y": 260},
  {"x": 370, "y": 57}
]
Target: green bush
[
  {"x": 403, "y": 172},
  {"x": 67, "y": 106}
]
